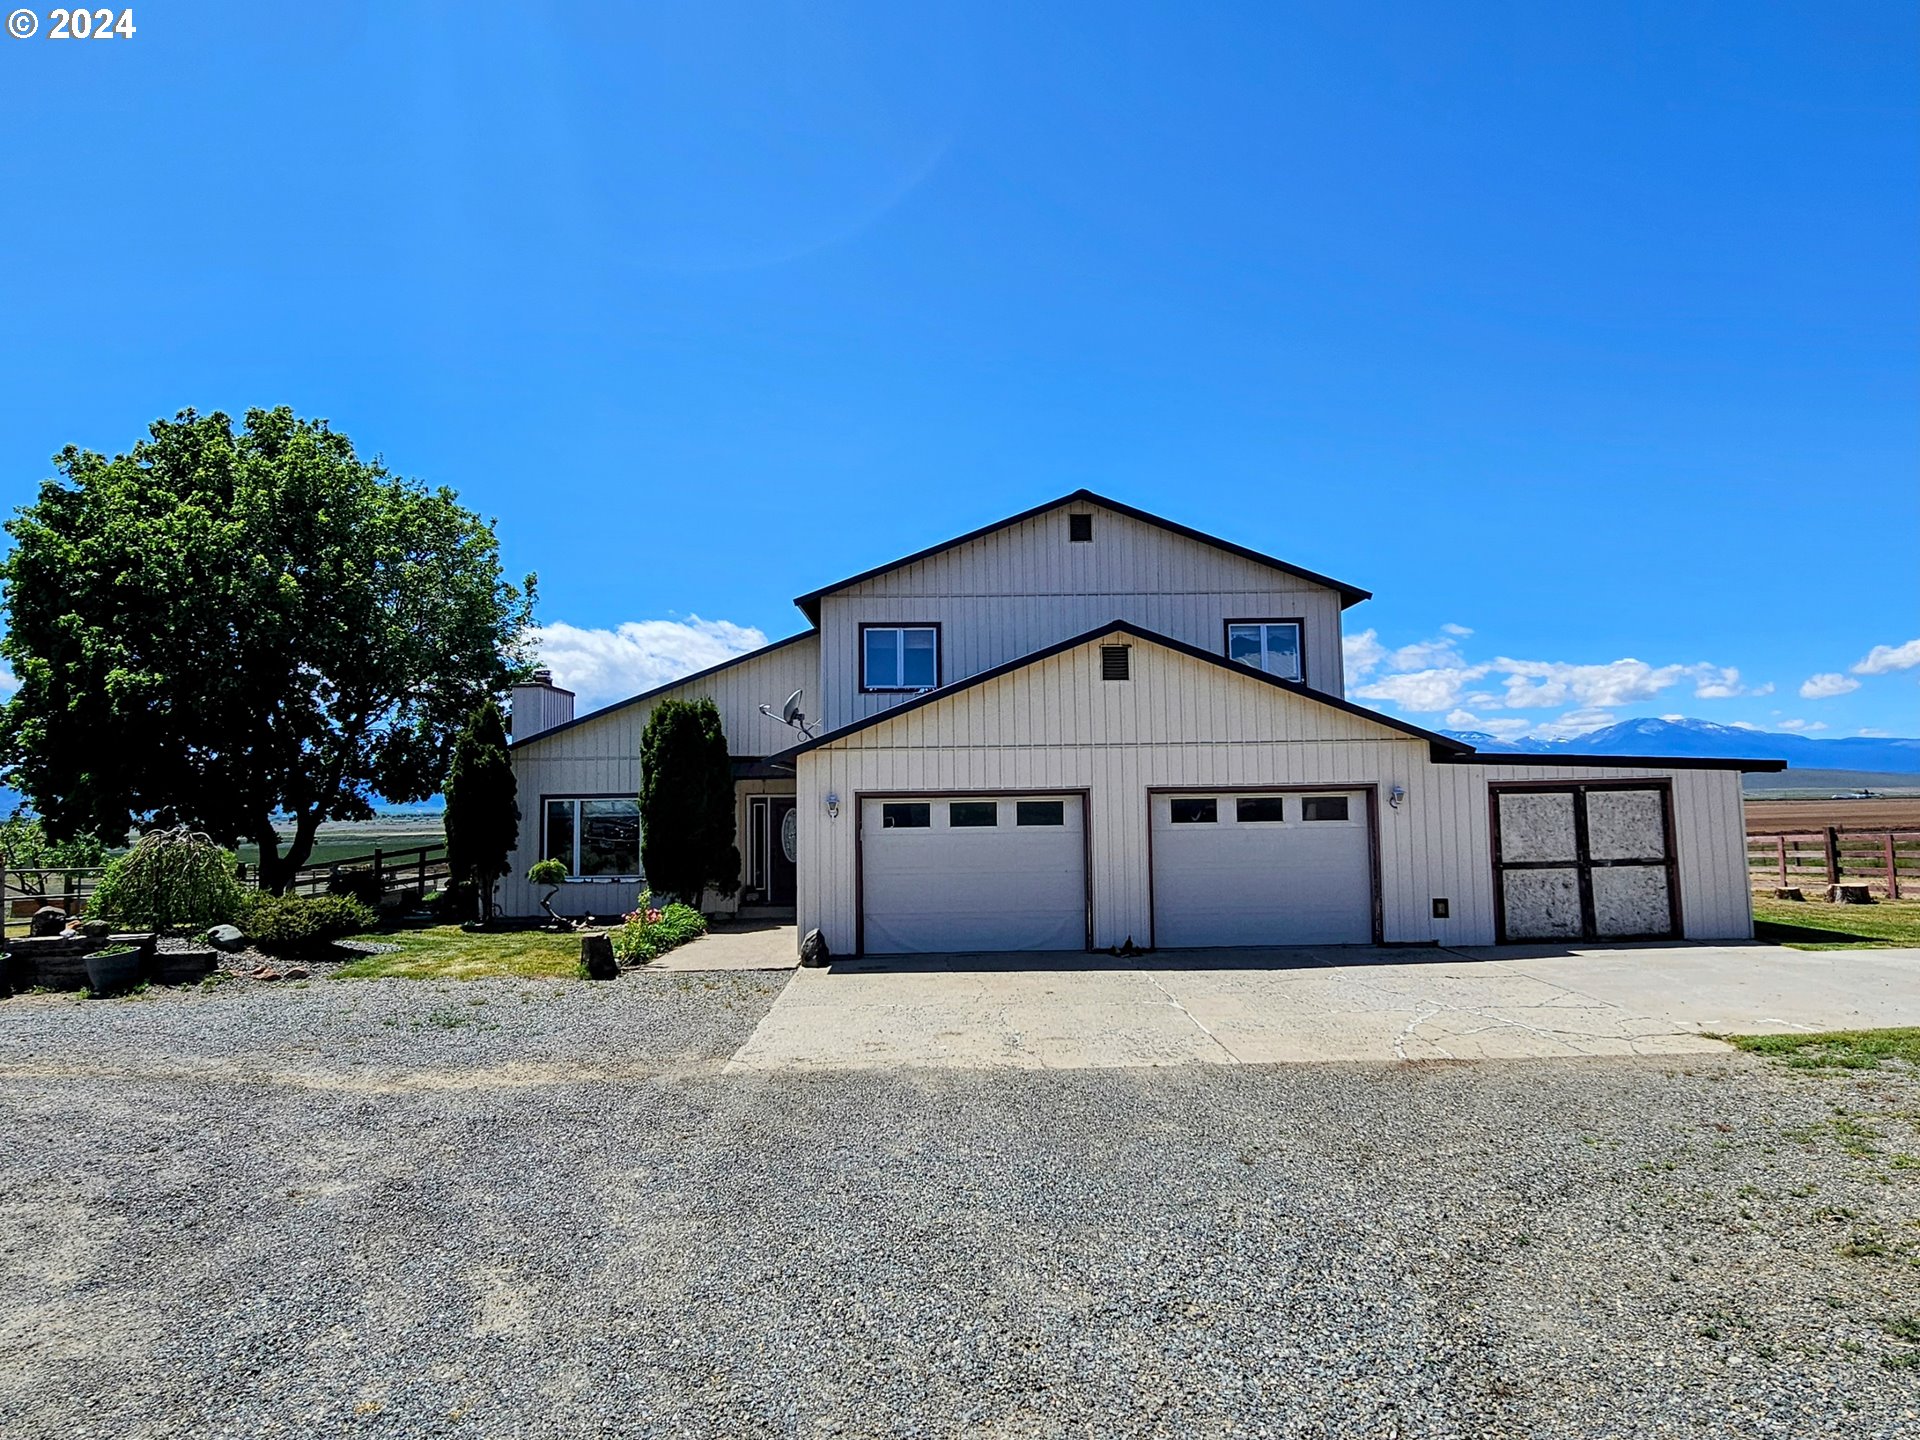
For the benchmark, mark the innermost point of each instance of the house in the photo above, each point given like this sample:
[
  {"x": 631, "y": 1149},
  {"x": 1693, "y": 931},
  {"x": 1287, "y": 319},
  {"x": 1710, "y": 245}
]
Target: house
[{"x": 1086, "y": 724}]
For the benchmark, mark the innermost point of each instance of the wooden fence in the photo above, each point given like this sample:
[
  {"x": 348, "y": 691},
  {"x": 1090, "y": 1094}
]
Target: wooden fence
[
  {"x": 1885, "y": 860},
  {"x": 416, "y": 869}
]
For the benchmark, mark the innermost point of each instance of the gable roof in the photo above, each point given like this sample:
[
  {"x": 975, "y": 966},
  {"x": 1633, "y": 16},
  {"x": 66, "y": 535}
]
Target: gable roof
[
  {"x": 659, "y": 690},
  {"x": 809, "y": 603},
  {"x": 1441, "y": 744}
]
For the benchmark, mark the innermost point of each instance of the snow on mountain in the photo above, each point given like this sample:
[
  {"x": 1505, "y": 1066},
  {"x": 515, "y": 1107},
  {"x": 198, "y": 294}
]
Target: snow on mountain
[{"x": 1703, "y": 739}]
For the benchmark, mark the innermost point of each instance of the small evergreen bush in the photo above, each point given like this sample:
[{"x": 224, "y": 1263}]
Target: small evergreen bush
[
  {"x": 174, "y": 880},
  {"x": 290, "y": 924}
]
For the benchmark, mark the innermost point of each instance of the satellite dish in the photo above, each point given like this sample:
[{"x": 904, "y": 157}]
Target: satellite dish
[{"x": 790, "y": 712}]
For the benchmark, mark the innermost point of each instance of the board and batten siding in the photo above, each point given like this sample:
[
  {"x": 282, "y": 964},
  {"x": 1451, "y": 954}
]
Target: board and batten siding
[
  {"x": 1182, "y": 722},
  {"x": 1025, "y": 587},
  {"x": 600, "y": 755}
]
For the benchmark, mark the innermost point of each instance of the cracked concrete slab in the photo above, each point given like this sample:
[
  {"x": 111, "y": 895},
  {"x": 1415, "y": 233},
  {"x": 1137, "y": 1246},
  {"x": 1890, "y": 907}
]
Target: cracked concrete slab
[{"x": 1293, "y": 1006}]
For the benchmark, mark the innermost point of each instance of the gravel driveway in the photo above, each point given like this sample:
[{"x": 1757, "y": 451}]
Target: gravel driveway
[{"x": 521, "y": 1210}]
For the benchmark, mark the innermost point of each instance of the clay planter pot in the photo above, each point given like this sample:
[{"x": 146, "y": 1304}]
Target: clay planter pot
[{"x": 111, "y": 970}]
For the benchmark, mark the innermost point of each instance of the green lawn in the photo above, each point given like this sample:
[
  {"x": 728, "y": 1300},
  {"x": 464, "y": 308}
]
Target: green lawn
[
  {"x": 1816, "y": 925},
  {"x": 446, "y": 952},
  {"x": 1836, "y": 1049}
]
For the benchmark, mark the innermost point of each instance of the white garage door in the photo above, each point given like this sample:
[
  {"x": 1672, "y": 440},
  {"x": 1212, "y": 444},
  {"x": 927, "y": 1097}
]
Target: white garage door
[
  {"x": 969, "y": 873},
  {"x": 1287, "y": 868}
]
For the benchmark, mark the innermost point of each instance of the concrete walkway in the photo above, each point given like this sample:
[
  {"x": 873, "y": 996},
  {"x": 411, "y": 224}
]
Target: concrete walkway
[
  {"x": 1261, "y": 1007},
  {"x": 751, "y": 945}
]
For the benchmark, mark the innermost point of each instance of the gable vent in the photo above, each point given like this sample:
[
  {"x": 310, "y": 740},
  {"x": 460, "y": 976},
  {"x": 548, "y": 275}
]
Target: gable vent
[
  {"x": 1079, "y": 527},
  {"x": 1113, "y": 662}
]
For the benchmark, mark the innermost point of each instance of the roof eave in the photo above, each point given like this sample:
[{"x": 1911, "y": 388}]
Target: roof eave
[{"x": 1651, "y": 762}]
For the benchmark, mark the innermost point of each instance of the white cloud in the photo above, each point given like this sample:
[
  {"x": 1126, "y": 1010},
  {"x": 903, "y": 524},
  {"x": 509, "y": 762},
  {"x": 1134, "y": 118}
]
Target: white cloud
[
  {"x": 1533, "y": 684},
  {"x": 1362, "y": 652},
  {"x": 1714, "y": 682},
  {"x": 1459, "y": 632},
  {"x": 1766, "y": 689},
  {"x": 1871, "y": 734},
  {"x": 1423, "y": 690},
  {"x": 1802, "y": 725},
  {"x": 9, "y": 682},
  {"x": 600, "y": 666},
  {"x": 1883, "y": 659},
  {"x": 1826, "y": 686}
]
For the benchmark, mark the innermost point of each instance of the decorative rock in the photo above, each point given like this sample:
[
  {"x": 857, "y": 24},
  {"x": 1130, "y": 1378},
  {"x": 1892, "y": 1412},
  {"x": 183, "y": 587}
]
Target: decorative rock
[
  {"x": 1849, "y": 894},
  {"x": 47, "y": 920},
  {"x": 297, "y": 972},
  {"x": 1787, "y": 892},
  {"x": 596, "y": 955},
  {"x": 813, "y": 951},
  {"x": 226, "y": 937}
]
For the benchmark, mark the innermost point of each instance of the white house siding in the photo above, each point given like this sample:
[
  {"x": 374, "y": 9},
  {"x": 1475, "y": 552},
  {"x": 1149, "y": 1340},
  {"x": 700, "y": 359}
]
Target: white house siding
[
  {"x": 1183, "y": 722},
  {"x": 1020, "y": 589},
  {"x": 601, "y": 756}
]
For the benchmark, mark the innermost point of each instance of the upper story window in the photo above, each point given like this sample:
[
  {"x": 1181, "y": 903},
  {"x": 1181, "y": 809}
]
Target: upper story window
[
  {"x": 1269, "y": 645},
  {"x": 899, "y": 657}
]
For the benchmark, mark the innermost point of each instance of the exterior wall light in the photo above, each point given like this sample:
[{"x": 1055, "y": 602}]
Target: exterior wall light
[
  {"x": 1396, "y": 795},
  {"x": 833, "y": 806}
]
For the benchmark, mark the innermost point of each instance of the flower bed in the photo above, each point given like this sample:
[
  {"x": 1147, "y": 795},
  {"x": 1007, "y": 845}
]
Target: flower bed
[{"x": 647, "y": 933}]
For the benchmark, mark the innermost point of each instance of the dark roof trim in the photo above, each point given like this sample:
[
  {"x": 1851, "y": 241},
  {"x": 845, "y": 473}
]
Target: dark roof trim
[
  {"x": 809, "y": 603},
  {"x": 1438, "y": 743},
  {"x": 659, "y": 690},
  {"x": 1668, "y": 762}
]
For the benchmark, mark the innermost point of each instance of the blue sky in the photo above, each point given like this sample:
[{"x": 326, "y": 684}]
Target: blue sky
[{"x": 1588, "y": 329}]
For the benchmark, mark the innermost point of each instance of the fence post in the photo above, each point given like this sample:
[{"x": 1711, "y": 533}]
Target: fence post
[
  {"x": 1781, "y": 840},
  {"x": 378, "y": 888},
  {"x": 1893, "y": 870},
  {"x": 423, "y": 870},
  {"x": 1833, "y": 854}
]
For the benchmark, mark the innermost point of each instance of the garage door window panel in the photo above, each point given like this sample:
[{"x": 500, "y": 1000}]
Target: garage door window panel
[
  {"x": 1324, "y": 808},
  {"x": 973, "y": 814},
  {"x": 1195, "y": 812},
  {"x": 1036, "y": 813},
  {"x": 1259, "y": 810},
  {"x": 906, "y": 816}
]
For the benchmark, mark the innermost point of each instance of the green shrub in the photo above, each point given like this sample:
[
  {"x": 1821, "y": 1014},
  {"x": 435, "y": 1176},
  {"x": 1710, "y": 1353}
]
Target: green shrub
[
  {"x": 288, "y": 924},
  {"x": 649, "y": 933},
  {"x": 170, "y": 880},
  {"x": 357, "y": 882},
  {"x": 547, "y": 872}
]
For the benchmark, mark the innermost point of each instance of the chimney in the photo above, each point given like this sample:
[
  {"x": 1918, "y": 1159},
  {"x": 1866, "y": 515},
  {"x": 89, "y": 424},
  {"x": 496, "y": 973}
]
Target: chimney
[{"x": 538, "y": 705}]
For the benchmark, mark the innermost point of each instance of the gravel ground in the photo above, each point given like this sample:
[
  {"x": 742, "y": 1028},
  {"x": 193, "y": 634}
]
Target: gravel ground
[{"x": 523, "y": 1210}]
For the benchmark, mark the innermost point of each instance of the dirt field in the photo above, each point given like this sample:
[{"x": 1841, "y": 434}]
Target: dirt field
[{"x": 1773, "y": 816}]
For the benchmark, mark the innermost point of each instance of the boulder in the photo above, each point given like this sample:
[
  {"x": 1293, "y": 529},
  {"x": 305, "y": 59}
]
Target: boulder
[
  {"x": 226, "y": 937},
  {"x": 813, "y": 951},
  {"x": 47, "y": 920}
]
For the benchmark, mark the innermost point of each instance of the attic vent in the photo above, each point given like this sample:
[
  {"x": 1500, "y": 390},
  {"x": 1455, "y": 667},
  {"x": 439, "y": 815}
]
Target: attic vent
[
  {"x": 1079, "y": 527},
  {"x": 1113, "y": 662}
]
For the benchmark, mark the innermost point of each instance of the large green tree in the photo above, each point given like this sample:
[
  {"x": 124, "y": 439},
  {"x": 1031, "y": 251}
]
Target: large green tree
[
  {"x": 245, "y": 629},
  {"x": 483, "y": 807},
  {"x": 687, "y": 829}
]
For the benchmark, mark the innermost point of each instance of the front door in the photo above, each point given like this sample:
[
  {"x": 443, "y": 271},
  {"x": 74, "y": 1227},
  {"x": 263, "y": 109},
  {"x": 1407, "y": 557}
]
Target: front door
[{"x": 782, "y": 850}]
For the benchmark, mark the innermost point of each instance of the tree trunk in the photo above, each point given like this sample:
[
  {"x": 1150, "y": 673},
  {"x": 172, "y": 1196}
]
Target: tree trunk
[{"x": 279, "y": 868}]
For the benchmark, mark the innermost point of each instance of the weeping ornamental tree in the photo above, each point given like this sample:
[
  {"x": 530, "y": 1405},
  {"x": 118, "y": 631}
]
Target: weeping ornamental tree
[
  {"x": 687, "y": 836},
  {"x": 483, "y": 806},
  {"x": 238, "y": 630}
]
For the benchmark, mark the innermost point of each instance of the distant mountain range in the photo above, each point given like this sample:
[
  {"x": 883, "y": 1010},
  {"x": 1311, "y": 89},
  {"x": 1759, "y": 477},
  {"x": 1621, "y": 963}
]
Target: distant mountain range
[{"x": 1702, "y": 739}]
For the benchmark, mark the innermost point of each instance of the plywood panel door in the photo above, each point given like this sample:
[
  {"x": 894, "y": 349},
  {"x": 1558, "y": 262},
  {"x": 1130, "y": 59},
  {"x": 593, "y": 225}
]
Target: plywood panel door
[{"x": 1584, "y": 862}]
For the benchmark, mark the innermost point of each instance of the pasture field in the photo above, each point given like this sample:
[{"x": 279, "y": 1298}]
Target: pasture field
[{"x": 1767, "y": 817}]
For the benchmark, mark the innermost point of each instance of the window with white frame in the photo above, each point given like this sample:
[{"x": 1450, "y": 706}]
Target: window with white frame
[
  {"x": 1269, "y": 645},
  {"x": 594, "y": 836},
  {"x": 899, "y": 657}
]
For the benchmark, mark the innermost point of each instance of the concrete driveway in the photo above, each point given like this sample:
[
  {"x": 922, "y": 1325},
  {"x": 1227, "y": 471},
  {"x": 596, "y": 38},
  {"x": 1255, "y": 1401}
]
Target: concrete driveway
[{"x": 1231, "y": 1007}]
